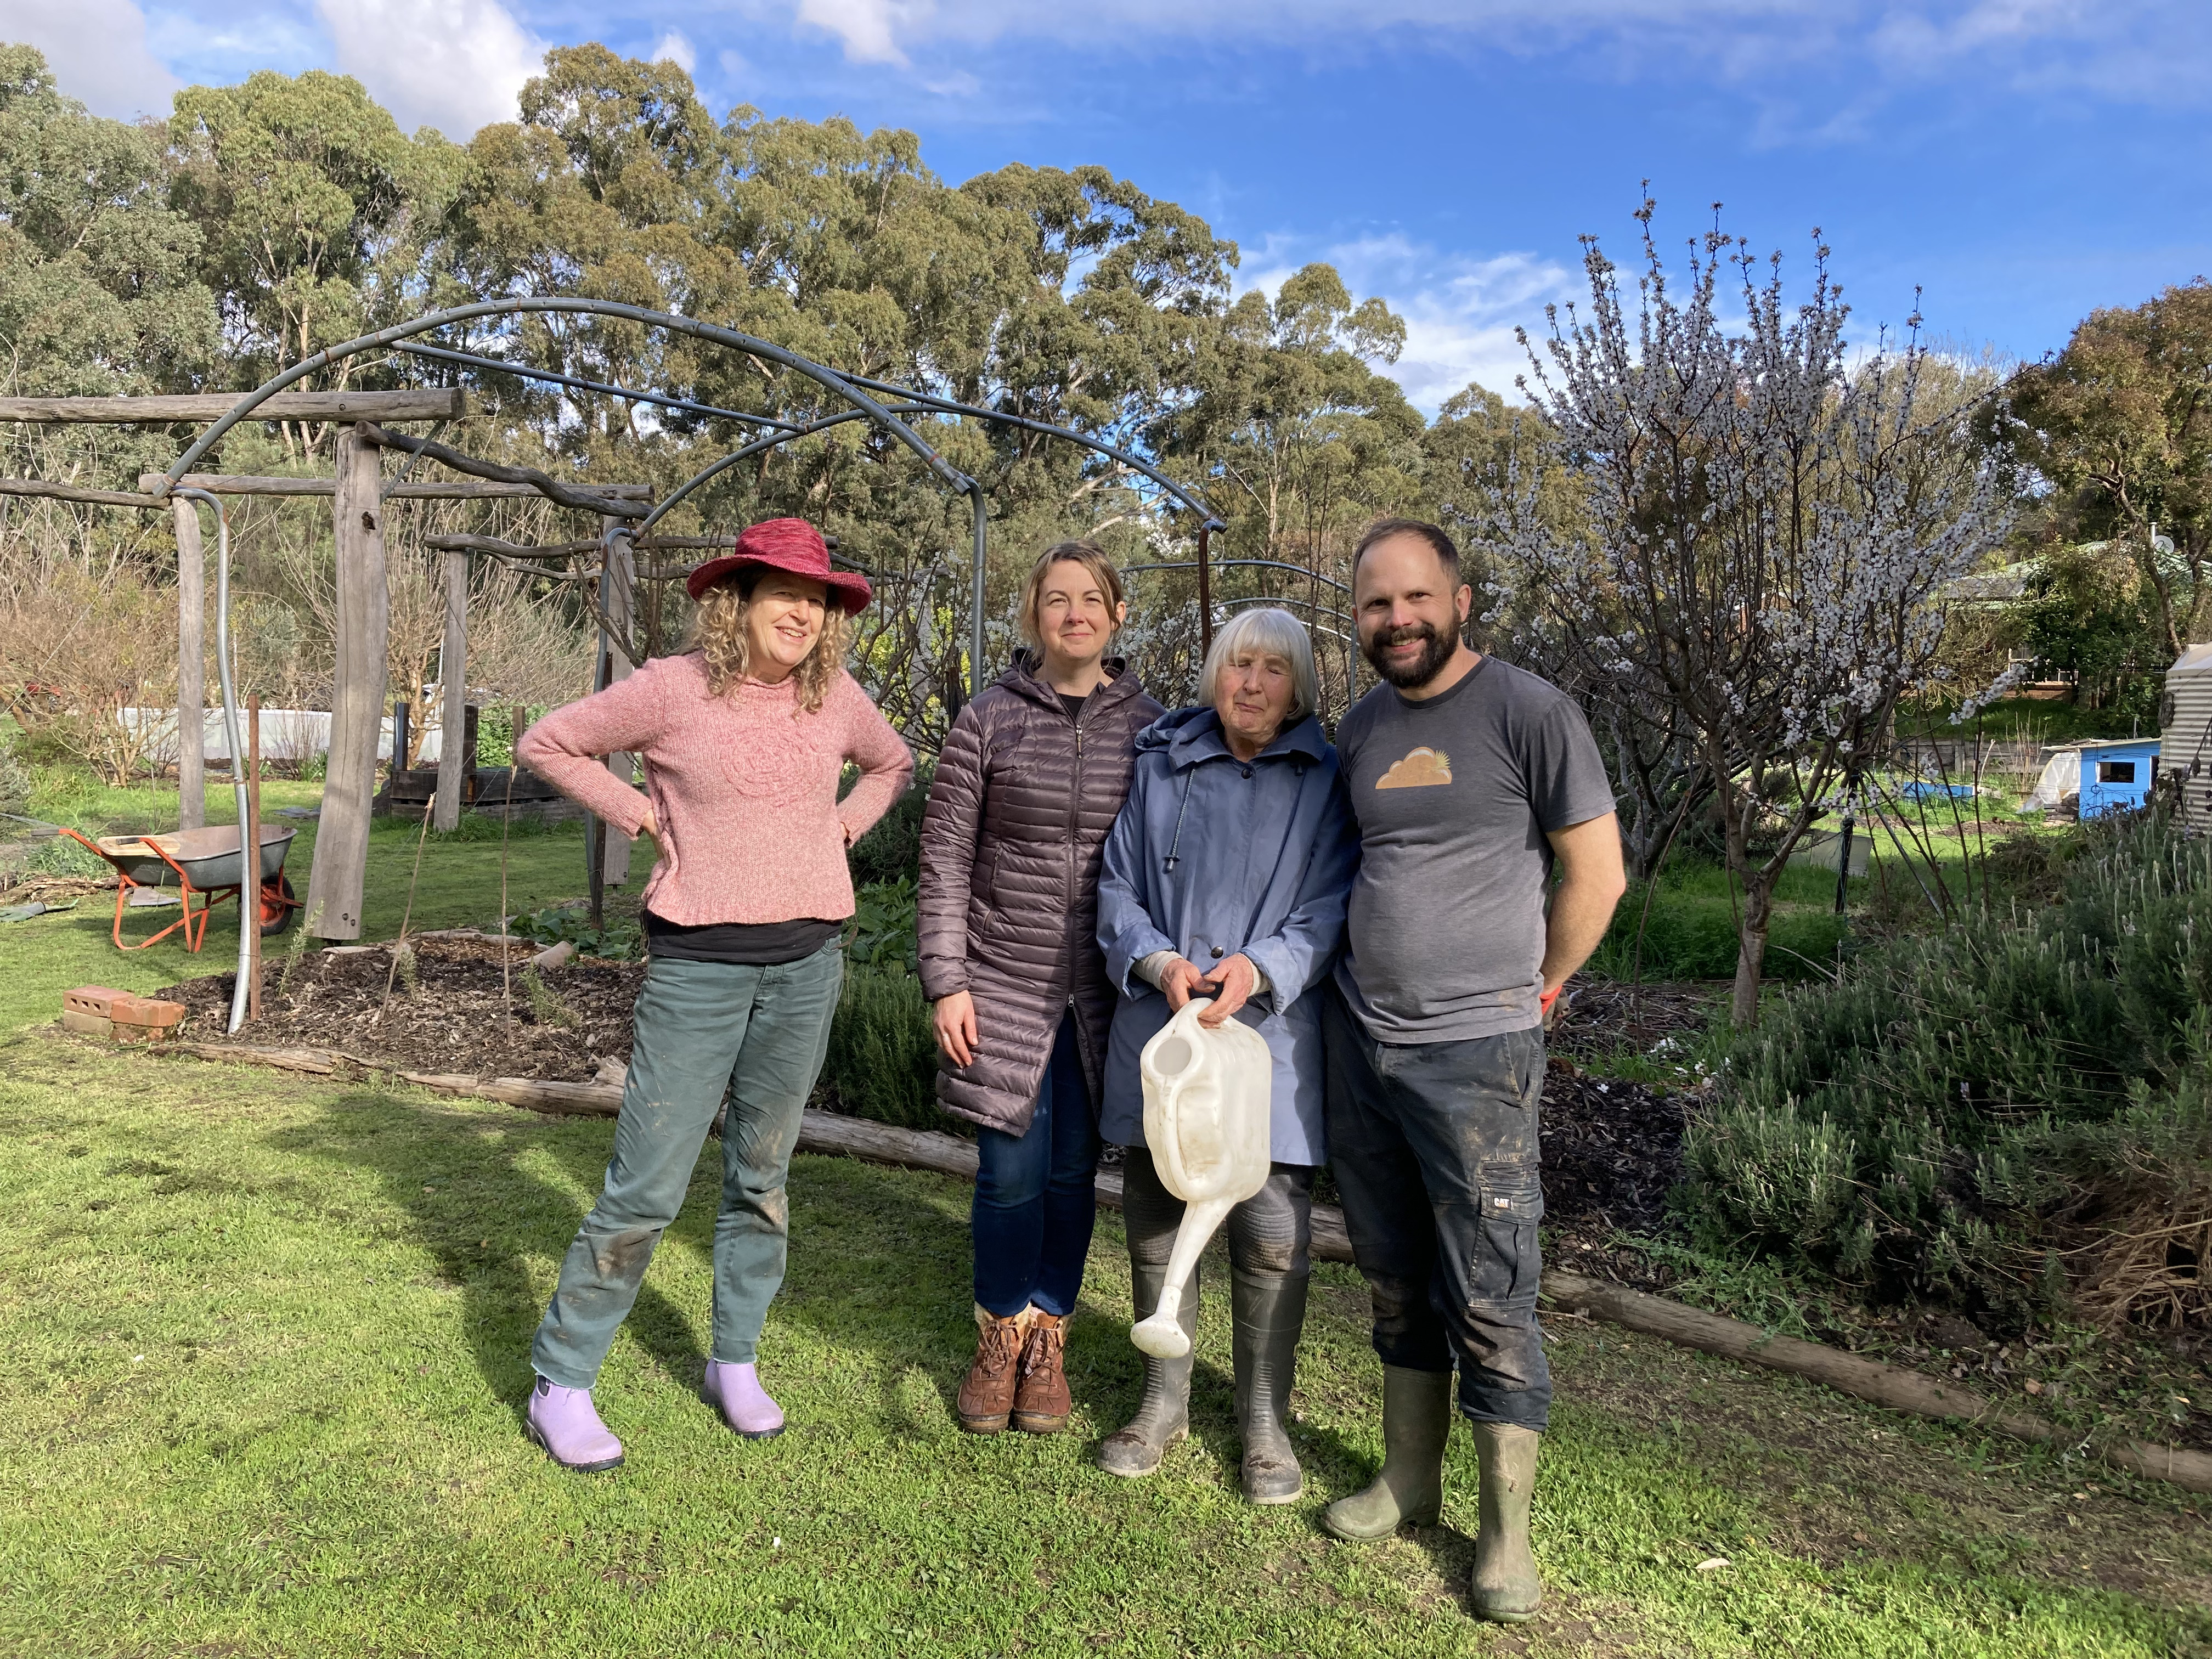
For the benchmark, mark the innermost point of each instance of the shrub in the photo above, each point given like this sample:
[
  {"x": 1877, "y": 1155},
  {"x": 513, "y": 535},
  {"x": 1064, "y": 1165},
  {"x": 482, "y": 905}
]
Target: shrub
[
  {"x": 2009, "y": 1113},
  {"x": 891, "y": 850},
  {"x": 883, "y": 1053}
]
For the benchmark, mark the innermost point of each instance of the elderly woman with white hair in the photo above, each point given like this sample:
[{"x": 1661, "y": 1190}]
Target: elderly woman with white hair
[{"x": 1226, "y": 877}]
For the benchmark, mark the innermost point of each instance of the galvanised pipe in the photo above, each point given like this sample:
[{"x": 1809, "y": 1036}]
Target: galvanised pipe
[
  {"x": 827, "y": 378},
  {"x": 249, "y": 858},
  {"x": 1205, "y": 596},
  {"x": 976, "y": 597},
  {"x": 469, "y": 360}
]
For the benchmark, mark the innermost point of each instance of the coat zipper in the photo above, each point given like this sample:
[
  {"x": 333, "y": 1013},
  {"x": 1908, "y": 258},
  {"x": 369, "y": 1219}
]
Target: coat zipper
[{"x": 1074, "y": 815}]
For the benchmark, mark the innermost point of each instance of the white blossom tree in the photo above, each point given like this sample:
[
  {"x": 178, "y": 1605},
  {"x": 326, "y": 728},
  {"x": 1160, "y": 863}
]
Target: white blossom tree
[{"x": 1766, "y": 536}]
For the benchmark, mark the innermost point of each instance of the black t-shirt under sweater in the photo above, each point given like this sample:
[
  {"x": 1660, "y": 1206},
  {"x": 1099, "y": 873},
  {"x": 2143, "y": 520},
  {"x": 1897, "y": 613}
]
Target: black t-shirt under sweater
[{"x": 754, "y": 944}]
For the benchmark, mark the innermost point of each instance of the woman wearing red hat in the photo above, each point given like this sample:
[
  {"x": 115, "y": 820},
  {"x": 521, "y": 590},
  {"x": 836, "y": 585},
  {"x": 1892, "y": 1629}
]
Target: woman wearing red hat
[{"x": 744, "y": 738}]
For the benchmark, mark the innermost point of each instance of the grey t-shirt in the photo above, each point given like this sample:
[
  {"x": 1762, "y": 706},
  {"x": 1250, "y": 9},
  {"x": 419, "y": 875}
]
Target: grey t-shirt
[{"x": 1454, "y": 796}]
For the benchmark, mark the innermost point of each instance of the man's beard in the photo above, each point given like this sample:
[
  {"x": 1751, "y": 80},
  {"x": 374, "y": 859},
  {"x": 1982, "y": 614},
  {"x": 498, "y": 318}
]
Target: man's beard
[{"x": 1435, "y": 652}]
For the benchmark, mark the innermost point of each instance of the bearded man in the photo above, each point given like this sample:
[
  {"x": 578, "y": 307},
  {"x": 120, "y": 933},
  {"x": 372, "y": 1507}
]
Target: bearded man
[{"x": 1474, "y": 782}]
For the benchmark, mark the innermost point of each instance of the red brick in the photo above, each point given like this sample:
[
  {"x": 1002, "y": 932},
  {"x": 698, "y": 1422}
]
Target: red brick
[
  {"x": 94, "y": 1000},
  {"x": 147, "y": 1012}
]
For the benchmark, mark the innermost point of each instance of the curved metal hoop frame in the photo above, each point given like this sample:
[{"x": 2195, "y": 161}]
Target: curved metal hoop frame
[{"x": 853, "y": 389}]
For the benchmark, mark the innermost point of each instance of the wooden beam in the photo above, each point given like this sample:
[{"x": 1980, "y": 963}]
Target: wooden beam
[
  {"x": 192, "y": 667},
  {"x": 544, "y": 484},
  {"x": 453, "y": 681},
  {"x": 618, "y": 602},
  {"x": 414, "y": 404},
  {"x": 435, "y": 489},
  {"x": 46, "y": 489},
  {"x": 340, "y": 875}
]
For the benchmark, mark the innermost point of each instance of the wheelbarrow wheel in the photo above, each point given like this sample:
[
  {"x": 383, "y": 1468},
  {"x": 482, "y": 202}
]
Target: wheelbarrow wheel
[{"x": 278, "y": 908}]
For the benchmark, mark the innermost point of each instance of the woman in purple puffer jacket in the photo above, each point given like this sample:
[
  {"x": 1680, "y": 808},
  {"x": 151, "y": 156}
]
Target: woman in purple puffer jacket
[{"x": 1029, "y": 781}]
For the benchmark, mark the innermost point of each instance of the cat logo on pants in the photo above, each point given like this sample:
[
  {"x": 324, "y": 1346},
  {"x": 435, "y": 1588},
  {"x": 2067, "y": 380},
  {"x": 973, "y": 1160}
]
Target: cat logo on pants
[{"x": 1421, "y": 768}]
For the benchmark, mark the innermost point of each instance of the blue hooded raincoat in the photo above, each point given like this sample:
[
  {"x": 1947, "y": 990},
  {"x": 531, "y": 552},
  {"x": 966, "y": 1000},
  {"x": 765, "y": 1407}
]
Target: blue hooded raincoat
[{"x": 1213, "y": 856}]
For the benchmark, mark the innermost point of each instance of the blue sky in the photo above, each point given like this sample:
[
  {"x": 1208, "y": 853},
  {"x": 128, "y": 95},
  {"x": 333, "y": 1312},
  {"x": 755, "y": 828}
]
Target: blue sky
[{"x": 2022, "y": 161}]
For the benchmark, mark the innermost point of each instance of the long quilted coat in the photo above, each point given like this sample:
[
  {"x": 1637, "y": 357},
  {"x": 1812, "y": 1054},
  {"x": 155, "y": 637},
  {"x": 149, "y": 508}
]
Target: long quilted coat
[{"x": 1011, "y": 847}]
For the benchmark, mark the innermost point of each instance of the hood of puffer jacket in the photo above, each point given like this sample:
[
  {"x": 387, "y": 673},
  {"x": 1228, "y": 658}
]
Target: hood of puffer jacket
[{"x": 1193, "y": 734}]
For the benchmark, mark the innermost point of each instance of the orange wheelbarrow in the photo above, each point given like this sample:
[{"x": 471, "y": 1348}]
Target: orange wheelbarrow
[{"x": 204, "y": 865}]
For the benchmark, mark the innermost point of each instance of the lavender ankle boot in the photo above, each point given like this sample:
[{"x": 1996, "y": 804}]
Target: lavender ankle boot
[
  {"x": 745, "y": 1404},
  {"x": 565, "y": 1423}
]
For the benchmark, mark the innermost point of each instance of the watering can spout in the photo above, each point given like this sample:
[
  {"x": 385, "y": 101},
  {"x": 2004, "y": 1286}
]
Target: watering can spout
[{"x": 1207, "y": 1096}]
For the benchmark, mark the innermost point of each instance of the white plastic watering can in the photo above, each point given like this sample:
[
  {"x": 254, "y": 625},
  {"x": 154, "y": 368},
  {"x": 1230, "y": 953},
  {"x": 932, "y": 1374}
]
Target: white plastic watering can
[{"x": 1206, "y": 1120}]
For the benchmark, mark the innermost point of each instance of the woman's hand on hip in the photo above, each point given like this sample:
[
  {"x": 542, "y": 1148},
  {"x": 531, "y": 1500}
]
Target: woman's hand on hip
[
  {"x": 954, "y": 1018},
  {"x": 650, "y": 825},
  {"x": 1231, "y": 983},
  {"x": 1180, "y": 981}
]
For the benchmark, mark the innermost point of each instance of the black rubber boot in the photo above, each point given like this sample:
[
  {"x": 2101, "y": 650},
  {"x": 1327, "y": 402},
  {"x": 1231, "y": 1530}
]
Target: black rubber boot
[
  {"x": 1269, "y": 1310},
  {"x": 1164, "y": 1414},
  {"x": 1409, "y": 1488}
]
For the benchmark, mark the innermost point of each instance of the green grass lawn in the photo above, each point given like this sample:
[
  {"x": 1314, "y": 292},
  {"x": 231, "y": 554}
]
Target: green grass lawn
[
  {"x": 459, "y": 887},
  {"x": 262, "y": 1342}
]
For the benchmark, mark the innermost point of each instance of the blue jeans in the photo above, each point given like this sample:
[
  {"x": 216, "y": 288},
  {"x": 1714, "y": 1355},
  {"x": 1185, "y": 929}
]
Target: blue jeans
[
  {"x": 1434, "y": 1149},
  {"x": 706, "y": 1033},
  {"x": 1037, "y": 1195}
]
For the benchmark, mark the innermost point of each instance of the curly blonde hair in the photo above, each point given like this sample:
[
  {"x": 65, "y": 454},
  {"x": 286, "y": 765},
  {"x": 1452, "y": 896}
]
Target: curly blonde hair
[{"x": 718, "y": 635}]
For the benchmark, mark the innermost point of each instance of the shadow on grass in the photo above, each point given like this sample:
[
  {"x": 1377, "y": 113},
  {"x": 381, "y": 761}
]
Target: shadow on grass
[
  {"x": 879, "y": 1269},
  {"x": 482, "y": 1215}
]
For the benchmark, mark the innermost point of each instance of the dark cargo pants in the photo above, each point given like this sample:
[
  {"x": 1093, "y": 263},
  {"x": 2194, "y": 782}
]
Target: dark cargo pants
[{"x": 1434, "y": 1149}]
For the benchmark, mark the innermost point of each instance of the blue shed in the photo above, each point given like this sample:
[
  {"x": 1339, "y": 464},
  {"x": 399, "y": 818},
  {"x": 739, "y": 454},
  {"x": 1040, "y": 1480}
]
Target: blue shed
[{"x": 2118, "y": 775}]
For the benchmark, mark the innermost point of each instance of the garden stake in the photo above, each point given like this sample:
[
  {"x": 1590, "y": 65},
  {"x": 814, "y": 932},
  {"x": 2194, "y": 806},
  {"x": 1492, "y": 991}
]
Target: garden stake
[
  {"x": 408, "y": 913},
  {"x": 506, "y": 816}
]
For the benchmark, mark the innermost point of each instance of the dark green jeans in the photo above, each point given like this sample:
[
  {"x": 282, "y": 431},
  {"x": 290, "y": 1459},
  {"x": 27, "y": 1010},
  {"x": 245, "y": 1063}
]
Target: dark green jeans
[{"x": 706, "y": 1031}]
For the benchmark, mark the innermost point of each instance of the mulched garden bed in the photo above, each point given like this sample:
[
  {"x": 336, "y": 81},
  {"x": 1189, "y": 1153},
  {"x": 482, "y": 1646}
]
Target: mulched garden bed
[
  {"x": 1611, "y": 1148},
  {"x": 452, "y": 1014}
]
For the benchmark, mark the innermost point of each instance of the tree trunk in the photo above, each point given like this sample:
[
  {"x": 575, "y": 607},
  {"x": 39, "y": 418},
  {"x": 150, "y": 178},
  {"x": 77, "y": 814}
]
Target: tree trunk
[{"x": 1751, "y": 945}]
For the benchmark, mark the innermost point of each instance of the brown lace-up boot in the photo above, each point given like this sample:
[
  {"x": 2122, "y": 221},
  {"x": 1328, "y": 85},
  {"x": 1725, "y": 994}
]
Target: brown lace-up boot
[
  {"x": 1041, "y": 1402},
  {"x": 986, "y": 1393}
]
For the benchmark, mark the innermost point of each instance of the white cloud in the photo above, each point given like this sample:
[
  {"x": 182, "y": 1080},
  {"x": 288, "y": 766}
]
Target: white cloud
[
  {"x": 2130, "y": 49},
  {"x": 452, "y": 64},
  {"x": 868, "y": 28},
  {"x": 97, "y": 51},
  {"x": 1459, "y": 310},
  {"x": 676, "y": 50}
]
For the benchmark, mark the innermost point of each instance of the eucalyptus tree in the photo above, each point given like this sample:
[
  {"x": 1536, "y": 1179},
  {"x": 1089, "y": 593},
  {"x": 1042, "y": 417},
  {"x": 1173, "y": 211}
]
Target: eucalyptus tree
[
  {"x": 1764, "y": 537},
  {"x": 314, "y": 211},
  {"x": 2120, "y": 424}
]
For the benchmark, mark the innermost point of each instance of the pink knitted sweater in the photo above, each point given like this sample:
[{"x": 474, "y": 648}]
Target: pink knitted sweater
[{"x": 743, "y": 788}]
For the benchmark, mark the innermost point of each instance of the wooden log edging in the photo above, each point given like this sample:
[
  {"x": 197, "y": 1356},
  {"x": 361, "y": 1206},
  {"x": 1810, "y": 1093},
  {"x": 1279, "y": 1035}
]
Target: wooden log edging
[{"x": 1871, "y": 1380}]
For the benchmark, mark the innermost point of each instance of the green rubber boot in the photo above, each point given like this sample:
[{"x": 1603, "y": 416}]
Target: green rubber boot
[
  {"x": 1164, "y": 1414},
  {"x": 1506, "y": 1588},
  {"x": 1269, "y": 1310},
  {"x": 1416, "y": 1420}
]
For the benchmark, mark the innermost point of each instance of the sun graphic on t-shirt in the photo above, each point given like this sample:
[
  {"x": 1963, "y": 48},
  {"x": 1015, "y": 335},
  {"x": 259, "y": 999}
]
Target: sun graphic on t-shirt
[{"x": 1421, "y": 768}]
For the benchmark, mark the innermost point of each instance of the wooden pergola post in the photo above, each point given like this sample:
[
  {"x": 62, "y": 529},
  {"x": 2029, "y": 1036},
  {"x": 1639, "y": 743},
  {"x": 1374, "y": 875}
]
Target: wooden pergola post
[
  {"x": 452, "y": 679},
  {"x": 338, "y": 879},
  {"x": 192, "y": 667},
  {"x": 618, "y": 597}
]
